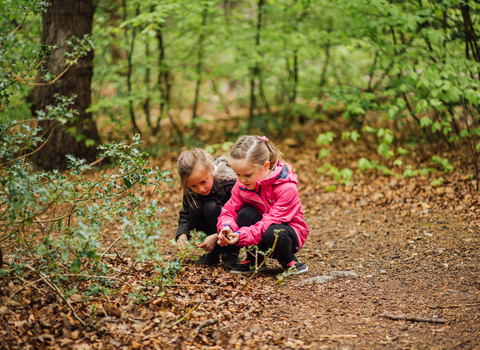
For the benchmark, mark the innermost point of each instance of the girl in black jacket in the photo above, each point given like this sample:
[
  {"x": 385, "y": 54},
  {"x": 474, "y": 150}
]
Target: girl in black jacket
[{"x": 207, "y": 185}]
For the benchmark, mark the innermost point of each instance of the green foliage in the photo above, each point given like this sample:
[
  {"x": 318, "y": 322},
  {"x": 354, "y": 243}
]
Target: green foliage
[
  {"x": 444, "y": 162},
  {"x": 68, "y": 240},
  {"x": 190, "y": 250},
  {"x": 437, "y": 182},
  {"x": 325, "y": 139},
  {"x": 342, "y": 176}
]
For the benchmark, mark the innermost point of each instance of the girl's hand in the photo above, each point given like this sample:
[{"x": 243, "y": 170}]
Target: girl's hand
[
  {"x": 233, "y": 238},
  {"x": 182, "y": 240},
  {"x": 222, "y": 236},
  {"x": 209, "y": 243},
  {"x": 228, "y": 237}
]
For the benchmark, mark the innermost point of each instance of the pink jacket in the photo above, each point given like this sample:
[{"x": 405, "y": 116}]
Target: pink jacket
[{"x": 276, "y": 198}]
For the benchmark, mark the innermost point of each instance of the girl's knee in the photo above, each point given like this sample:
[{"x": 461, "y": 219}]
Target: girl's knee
[
  {"x": 273, "y": 233},
  {"x": 211, "y": 208},
  {"x": 248, "y": 216}
]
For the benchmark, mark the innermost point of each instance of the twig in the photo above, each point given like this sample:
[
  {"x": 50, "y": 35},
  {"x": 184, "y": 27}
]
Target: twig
[
  {"x": 204, "y": 324},
  {"x": 59, "y": 292},
  {"x": 92, "y": 276},
  {"x": 125, "y": 279},
  {"x": 414, "y": 318},
  {"x": 450, "y": 306},
  {"x": 110, "y": 247},
  {"x": 27, "y": 284},
  {"x": 186, "y": 315},
  {"x": 200, "y": 285},
  {"x": 337, "y": 336}
]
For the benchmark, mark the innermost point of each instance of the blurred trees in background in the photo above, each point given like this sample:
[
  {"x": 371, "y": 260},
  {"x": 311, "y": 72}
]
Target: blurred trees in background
[{"x": 270, "y": 64}]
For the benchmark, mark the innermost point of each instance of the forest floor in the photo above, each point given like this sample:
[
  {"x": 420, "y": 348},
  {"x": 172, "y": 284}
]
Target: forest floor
[{"x": 414, "y": 246}]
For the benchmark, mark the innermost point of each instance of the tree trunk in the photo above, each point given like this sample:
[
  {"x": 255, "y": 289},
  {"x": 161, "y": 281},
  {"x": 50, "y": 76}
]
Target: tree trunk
[
  {"x": 256, "y": 68},
  {"x": 199, "y": 60},
  {"x": 63, "y": 20}
]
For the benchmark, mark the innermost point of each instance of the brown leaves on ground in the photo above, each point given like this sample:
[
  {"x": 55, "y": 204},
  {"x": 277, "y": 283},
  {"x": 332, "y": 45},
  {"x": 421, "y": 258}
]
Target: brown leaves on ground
[{"x": 413, "y": 245}]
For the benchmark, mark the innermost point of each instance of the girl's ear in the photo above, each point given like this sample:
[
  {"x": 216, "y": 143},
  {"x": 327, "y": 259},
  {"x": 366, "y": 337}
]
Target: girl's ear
[{"x": 266, "y": 166}]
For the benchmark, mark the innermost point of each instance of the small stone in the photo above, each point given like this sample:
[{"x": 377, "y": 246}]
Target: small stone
[{"x": 383, "y": 271}]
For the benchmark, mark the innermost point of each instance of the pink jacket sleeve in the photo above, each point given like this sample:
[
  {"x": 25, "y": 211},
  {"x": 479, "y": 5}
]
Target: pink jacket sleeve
[
  {"x": 230, "y": 210},
  {"x": 282, "y": 212}
]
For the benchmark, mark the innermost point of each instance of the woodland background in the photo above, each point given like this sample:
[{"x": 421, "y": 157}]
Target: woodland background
[{"x": 375, "y": 102}]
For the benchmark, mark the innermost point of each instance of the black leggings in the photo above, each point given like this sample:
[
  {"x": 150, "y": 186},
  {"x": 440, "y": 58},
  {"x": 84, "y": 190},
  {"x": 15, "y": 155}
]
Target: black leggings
[
  {"x": 204, "y": 214},
  {"x": 287, "y": 242}
]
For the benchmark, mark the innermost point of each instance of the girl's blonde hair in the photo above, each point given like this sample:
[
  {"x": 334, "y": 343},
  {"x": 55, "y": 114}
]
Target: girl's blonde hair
[
  {"x": 257, "y": 150},
  {"x": 191, "y": 160}
]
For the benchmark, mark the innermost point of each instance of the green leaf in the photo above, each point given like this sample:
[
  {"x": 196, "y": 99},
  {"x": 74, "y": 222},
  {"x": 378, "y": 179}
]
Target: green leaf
[
  {"x": 437, "y": 182},
  {"x": 364, "y": 164},
  {"x": 354, "y": 135},
  {"x": 369, "y": 129},
  {"x": 325, "y": 139},
  {"x": 323, "y": 153},
  {"x": 330, "y": 188},
  {"x": 75, "y": 265},
  {"x": 398, "y": 162},
  {"x": 28, "y": 222},
  {"x": 127, "y": 182},
  {"x": 384, "y": 150},
  {"x": 425, "y": 121},
  {"x": 402, "y": 151}
]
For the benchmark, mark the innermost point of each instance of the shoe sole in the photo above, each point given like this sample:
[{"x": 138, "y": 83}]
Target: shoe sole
[
  {"x": 261, "y": 269},
  {"x": 301, "y": 271}
]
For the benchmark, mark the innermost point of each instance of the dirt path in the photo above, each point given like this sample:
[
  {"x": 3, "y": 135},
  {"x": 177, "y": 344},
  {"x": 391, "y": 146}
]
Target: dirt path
[{"x": 419, "y": 265}]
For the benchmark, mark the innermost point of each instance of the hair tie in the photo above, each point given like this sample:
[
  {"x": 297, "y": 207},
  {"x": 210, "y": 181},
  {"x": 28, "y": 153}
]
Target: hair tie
[{"x": 263, "y": 138}]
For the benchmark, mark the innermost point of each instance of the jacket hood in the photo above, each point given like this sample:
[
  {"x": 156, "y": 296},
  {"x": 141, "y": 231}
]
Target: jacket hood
[
  {"x": 281, "y": 174},
  {"x": 223, "y": 169}
]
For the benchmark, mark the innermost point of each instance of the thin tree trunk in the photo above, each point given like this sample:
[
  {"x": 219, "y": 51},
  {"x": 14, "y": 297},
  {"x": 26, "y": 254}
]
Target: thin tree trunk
[
  {"x": 199, "y": 60},
  {"x": 470, "y": 34},
  {"x": 130, "y": 65},
  {"x": 61, "y": 21},
  {"x": 146, "y": 103},
  {"x": 256, "y": 68},
  {"x": 164, "y": 82}
]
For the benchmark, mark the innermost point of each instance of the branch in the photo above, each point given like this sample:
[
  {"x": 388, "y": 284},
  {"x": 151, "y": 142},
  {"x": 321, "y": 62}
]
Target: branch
[
  {"x": 186, "y": 315},
  {"x": 414, "y": 318},
  {"x": 204, "y": 324},
  {"x": 59, "y": 292}
]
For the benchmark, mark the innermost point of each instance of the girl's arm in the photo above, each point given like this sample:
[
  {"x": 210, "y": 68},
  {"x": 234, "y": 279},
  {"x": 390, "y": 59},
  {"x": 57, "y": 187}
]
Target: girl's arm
[{"x": 184, "y": 223}]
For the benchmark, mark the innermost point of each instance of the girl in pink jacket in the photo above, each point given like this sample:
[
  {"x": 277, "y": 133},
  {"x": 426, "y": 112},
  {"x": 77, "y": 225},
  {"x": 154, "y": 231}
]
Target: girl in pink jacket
[{"x": 264, "y": 201}]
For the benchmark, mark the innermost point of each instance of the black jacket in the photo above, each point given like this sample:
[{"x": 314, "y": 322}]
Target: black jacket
[{"x": 223, "y": 180}]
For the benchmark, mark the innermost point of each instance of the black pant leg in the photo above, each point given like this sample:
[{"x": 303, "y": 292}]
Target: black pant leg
[{"x": 287, "y": 242}]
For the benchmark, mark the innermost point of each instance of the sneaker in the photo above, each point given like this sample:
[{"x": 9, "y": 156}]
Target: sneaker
[
  {"x": 230, "y": 260},
  {"x": 247, "y": 267},
  {"x": 295, "y": 266},
  {"x": 209, "y": 259}
]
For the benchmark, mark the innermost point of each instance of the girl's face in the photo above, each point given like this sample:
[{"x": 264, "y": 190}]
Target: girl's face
[
  {"x": 201, "y": 181},
  {"x": 248, "y": 174}
]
